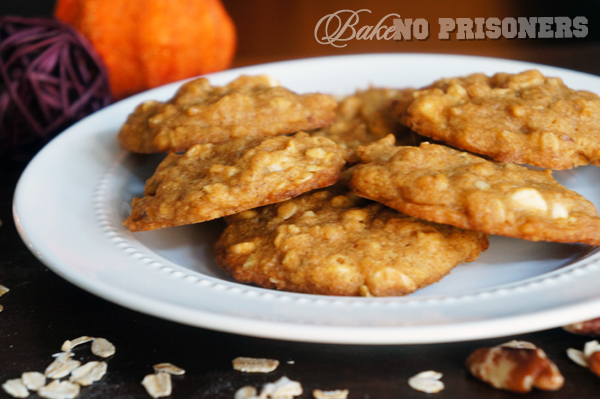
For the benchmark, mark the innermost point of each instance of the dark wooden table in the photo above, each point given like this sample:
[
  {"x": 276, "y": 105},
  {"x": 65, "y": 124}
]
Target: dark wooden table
[{"x": 42, "y": 310}]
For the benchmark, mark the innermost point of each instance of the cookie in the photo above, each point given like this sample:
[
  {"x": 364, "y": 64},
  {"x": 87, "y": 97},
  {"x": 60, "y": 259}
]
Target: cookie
[
  {"x": 523, "y": 118},
  {"x": 250, "y": 106},
  {"x": 366, "y": 116},
  {"x": 331, "y": 242},
  {"x": 440, "y": 184},
  {"x": 210, "y": 181}
]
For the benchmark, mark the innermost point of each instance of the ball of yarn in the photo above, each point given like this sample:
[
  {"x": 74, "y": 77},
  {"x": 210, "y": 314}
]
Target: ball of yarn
[{"x": 50, "y": 77}]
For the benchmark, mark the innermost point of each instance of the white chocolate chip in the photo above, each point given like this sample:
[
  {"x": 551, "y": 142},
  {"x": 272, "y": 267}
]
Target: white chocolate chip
[
  {"x": 530, "y": 198},
  {"x": 559, "y": 211},
  {"x": 480, "y": 184}
]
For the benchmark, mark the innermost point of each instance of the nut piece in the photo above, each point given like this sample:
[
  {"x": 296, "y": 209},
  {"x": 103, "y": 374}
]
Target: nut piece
[
  {"x": 68, "y": 345},
  {"x": 594, "y": 363},
  {"x": 15, "y": 388},
  {"x": 254, "y": 365},
  {"x": 530, "y": 198},
  {"x": 427, "y": 381},
  {"x": 337, "y": 394},
  {"x": 62, "y": 366},
  {"x": 33, "y": 380},
  {"x": 88, "y": 373},
  {"x": 3, "y": 290},
  {"x": 102, "y": 347},
  {"x": 158, "y": 385},
  {"x": 59, "y": 390},
  {"x": 588, "y": 327},
  {"x": 515, "y": 366},
  {"x": 283, "y": 388},
  {"x": 168, "y": 368},
  {"x": 247, "y": 392},
  {"x": 589, "y": 357}
]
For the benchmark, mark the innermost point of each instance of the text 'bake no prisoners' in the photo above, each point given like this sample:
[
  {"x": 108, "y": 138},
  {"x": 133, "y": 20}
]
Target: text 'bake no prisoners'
[{"x": 343, "y": 25}]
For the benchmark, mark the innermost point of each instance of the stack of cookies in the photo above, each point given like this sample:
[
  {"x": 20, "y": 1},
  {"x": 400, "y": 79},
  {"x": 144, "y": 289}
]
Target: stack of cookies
[{"x": 301, "y": 216}]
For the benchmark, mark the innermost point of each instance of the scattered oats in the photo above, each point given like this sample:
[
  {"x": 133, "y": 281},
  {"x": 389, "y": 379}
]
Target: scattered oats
[
  {"x": 3, "y": 290},
  {"x": 168, "y": 368},
  {"x": 33, "y": 380},
  {"x": 1, "y": 308},
  {"x": 283, "y": 388},
  {"x": 290, "y": 362},
  {"x": 247, "y": 392},
  {"x": 89, "y": 373},
  {"x": 158, "y": 385},
  {"x": 577, "y": 356},
  {"x": 253, "y": 365},
  {"x": 102, "y": 347},
  {"x": 15, "y": 388},
  {"x": 591, "y": 347},
  {"x": 337, "y": 394},
  {"x": 68, "y": 345},
  {"x": 59, "y": 390},
  {"x": 62, "y": 366},
  {"x": 427, "y": 381}
]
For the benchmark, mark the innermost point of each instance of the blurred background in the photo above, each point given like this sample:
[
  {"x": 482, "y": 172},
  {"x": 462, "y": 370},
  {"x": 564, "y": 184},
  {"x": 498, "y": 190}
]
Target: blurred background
[{"x": 270, "y": 30}]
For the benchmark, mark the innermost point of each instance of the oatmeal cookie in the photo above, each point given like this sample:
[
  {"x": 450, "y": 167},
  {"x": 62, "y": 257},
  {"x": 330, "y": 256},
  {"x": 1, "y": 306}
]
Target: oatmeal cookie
[
  {"x": 331, "y": 242},
  {"x": 366, "y": 116},
  {"x": 210, "y": 181},
  {"x": 250, "y": 106},
  {"x": 443, "y": 185},
  {"x": 522, "y": 118}
]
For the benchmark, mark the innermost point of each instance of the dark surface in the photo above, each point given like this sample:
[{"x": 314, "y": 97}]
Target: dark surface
[{"x": 42, "y": 310}]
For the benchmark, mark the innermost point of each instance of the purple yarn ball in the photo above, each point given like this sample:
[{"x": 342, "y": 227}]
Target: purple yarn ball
[{"x": 50, "y": 77}]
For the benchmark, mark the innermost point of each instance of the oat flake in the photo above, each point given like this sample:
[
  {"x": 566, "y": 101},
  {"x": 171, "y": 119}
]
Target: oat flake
[
  {"x": 158, "y": 385},
  {"x": 102, "y": 347},
  {"x": 33, "y": 380},
  {"x": 89, "y": 373},
  {"x": 59, "y": 390},
  {"x": 168, "y": 368},
  {"x": 15, "y": 388}
]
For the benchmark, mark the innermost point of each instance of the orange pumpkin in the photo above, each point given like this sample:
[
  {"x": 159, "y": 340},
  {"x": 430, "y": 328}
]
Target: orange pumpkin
[{"x": 147, "y": 43}]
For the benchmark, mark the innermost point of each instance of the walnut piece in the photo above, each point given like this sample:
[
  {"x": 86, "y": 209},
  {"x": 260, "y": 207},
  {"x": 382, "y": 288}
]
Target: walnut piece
[
  {"x": 516, "y": 366},
  {"x": 588, "y": 327}
]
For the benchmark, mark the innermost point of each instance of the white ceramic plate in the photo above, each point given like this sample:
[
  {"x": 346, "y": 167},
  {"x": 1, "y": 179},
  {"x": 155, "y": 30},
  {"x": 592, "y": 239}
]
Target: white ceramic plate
[{"x": 72, "y": 198}]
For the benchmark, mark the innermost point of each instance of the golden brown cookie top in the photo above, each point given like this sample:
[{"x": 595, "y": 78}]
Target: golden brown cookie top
[
  {"x": 251, "y": 106},
  {"x": 211, "y": 181},
  {"x": 331, "y": 242},
  {"x": 522, "y": 118},
  {"x": 366, "y": 116},
  {"x": 440, "y": 184}
]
